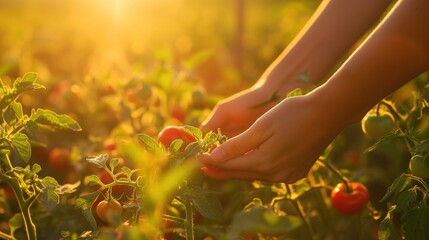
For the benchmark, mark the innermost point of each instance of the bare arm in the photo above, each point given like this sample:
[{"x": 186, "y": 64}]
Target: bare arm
[
  {"x": 285, "y": 142},
  {"x": 328, "y": 35}
]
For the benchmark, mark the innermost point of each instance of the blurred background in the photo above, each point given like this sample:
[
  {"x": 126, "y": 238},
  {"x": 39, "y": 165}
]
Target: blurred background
[{"x": 71, "y": 39}]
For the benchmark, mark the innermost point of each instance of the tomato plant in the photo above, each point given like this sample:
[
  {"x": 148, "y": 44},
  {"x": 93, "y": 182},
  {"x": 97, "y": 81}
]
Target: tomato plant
[
  {"x": 376, "y": 125},
  {"x": 110, "y": 211},
  {"x": 349, "y": 200}
]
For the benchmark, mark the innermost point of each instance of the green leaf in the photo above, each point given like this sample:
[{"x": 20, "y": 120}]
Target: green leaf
[
  {"x": 52, "y": 119},
  {"x": 192, "y": 149},
  {"x": 207, "y": 204},
  {"x": 86, "y": 200},
  {"x": 27, "y": 83},
  {"x": 87, "y": 213},
  {"x": 21, "y": 146},
  {"x": 263, "y": 220},
  {"x": 387, "y": 230},
  {"x": 294, "y": 93},
  {"x": 406, "y": 200},
  {"x": 93, "y": 180},
  {"x": 150, "y": 144},
  {"x": 415, "y": 222},
  {"x": 387, "y": 137},
  {"x": 399, "y": 184},
  {"x": 13, "y": 113},
  {"x": 114, "y": 162},
  {"x": 196, "y": 132},
  {"x": 49, "y": 198},
  {"x": 99, "y": 160},
  {"x": 16, "y": 222},
  {"x": 127, "y": 171},
  {"x": 36, "y": 168},
  {"x": 175, "y": 145},
  {"x": 50, "y": 182}
]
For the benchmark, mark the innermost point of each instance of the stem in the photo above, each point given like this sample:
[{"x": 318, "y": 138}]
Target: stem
[
  {"x": 6, "y": 236},
  {"x": 301, "y": 214},
  {"x": 189, "y": 221},
  {"x": 337, "y": 173}
]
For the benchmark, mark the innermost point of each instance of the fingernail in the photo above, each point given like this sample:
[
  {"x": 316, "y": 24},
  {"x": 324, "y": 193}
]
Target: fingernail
[{"x": 218, "y": 154}]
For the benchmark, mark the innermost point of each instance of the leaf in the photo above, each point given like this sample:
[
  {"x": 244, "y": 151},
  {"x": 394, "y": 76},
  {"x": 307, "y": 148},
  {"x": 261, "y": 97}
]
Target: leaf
[
  {"x": 21, "y": 146},
  {"x": 294, "y": 93},
  {"x": 192, "y": 149},
  {"x": 86, "y": 200},
  {"x": 87, "y": 213},
  {"x": 50, "y": 182},
  {"x": 13, "y": 113},
  {"x": 36, "y": 168},
  {"x": 16, "y": 222},
  {"x": 387, "y": 137},
  {"x": 406, "y": 200},
  {"x": 150, "y": 144},
  {"x": 196, "y": 132},
  {"x": 398, "y": 185},
  {"x": 387, "y": 230},
  {"x": 52, "y": 119},
  {"x": 114, "y": 162},
  {"x": 93, "y": 180},
  {"x": 420, "y": 148},
  {"x": 27, "y": 83},
  {"x": 49, "y": 198},
  {"x": 207, "y": 204},
  {"x": 68, "y": 188},
  {"x": 263, "y": 220},
  {"x": 99, "y": 160},
  {"x": 175, "y": 146},
  {"x": 415, "y": 222}
]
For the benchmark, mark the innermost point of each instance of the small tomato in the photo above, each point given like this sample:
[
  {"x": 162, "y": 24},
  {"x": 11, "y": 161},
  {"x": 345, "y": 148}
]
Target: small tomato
[
  {"x": 109, "y": 211},
  {"x": 419, "y": 166},
  {"x": 349, "y": 203},
  {"x": 377, "y": 125}
]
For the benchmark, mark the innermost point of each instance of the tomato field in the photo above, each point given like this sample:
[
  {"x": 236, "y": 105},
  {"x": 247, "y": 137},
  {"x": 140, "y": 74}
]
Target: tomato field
[{"x": 100, "y": 108}]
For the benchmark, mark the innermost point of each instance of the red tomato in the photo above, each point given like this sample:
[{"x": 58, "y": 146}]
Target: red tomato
[
  {"x": 59, "y": 159},
  {"x": 178, "y": 113},
  {"x": 109, "y": 211},
  {"x": 349, "y": 203},
  {"x": 171, "y": 133}
]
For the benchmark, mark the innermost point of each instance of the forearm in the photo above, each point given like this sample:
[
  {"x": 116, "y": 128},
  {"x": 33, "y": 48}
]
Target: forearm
[
  {"x": 327, "y": 36},
  {"x": 395, "y": 53}
]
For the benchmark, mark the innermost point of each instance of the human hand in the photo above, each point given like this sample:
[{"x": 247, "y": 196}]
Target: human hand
[
  {"x": 235, "y": 114},
  {"x": 281, "y": 146}
]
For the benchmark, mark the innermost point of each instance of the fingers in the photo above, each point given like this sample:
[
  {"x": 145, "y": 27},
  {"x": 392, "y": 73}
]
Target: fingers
[{"x": 241, "y": 144}]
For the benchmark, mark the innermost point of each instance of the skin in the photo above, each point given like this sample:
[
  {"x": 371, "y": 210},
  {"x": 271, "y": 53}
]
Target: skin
[{"x": 283, "y": 143}]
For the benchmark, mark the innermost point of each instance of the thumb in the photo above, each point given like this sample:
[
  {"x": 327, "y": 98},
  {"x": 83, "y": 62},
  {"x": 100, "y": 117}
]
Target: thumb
[{"x": 240, "y": 144}]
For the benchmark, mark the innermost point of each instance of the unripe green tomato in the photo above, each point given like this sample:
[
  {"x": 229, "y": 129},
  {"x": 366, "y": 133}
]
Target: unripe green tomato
[
  {"x": 418, "y": 167},
  {"x": 376, "y": 126}
]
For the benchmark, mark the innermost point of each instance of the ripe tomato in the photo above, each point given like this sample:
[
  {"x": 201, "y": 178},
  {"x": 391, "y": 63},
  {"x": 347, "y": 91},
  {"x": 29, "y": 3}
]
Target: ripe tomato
[
  {"x": 171, "y": 133},
  {"x": 109, "y": 211},
  {"x": 178, "y": 113},
  {"x": 419, "y": 166},
  {"x": 59, "y": 159},
  {"x": 377, "y": 125},
  {"x": 349, "y": 203}
]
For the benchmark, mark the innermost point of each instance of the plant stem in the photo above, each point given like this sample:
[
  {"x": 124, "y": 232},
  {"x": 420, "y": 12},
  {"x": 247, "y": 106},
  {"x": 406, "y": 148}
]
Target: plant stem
[
  {"x": 189, "y": 221},
  {"x": 337, "y": 173},
  {"x": 301, "y": 214},
  {"x": 6, "y": 236}
]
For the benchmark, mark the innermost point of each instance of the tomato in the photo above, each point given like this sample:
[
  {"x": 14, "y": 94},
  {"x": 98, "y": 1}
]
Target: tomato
[
  {"x": 419, "y": 166},
  {"x": 349, "y": 203},
  {"x": 377, "y": 125},
  {"x": 171, "y": 133},
  {"x": 59, "y": 159},
  {"x": 109, "y": 211}
]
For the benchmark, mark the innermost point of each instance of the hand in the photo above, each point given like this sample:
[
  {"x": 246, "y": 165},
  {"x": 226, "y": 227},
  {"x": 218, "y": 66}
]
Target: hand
[
  {"x": 238, "y": 112},
  {"x": 281, "y": 146}
]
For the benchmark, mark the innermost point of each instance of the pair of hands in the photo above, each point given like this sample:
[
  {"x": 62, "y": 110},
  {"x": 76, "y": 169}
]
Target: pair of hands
[{"x": 275, "y": 142}]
